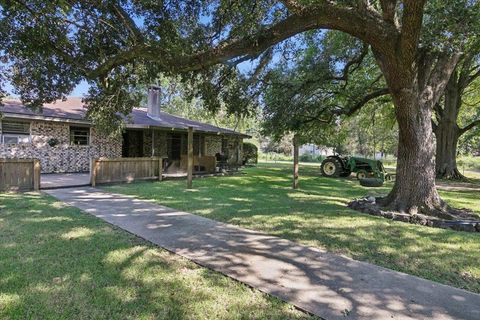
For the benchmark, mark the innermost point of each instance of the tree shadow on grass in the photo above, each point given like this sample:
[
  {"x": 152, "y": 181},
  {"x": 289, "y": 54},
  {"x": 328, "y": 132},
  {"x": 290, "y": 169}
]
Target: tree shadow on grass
[
  {"x": 317, "y": 215},
  {"x": 56, "y": 262}
]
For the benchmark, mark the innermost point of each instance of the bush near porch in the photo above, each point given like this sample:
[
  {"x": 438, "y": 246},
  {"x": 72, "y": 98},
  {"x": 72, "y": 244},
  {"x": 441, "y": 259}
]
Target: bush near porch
[{"x": 316, "y": 215}]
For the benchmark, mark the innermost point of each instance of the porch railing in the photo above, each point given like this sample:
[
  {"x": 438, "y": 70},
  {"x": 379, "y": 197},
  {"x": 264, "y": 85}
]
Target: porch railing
[
  {"x": 202, "y": 163},
  {"x": 19, "y": 174},
  {"x": 125, "y": 169}
]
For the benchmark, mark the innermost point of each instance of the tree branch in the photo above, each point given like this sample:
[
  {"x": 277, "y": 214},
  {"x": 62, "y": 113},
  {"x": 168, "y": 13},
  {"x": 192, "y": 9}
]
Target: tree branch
[
  {"x": 411, "y": 28},
  {"x": 128, "y": 22},
  {"x": 470, "y": 126},
  {"x": 357, "y": 60},
  {"x": 388, "y": 10},
  {"x": 292, "y": 5},
  {"x": 439, "y": 76},
  {"x": 364, "y": 100},
  {"x": 475, "y": 75},
  {"x": 366, "y": 26}
]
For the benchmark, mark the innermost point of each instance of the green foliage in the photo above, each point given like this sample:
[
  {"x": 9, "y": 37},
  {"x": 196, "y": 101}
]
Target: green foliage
[
  {"x": 307, "y": 157},
  {"x": 283, "y": 145},
  {"x": 470, "y": 111},
  {"x": 450, "y": 25},
  {"x": 373, "y": 130},
  {"x": 469, "y": 163},
  {"x": 179, "y": 98},
  {"x": 47, "y": 47},
  {"x": 250, "y": 153},
  {"x": 320, "y": 82}
]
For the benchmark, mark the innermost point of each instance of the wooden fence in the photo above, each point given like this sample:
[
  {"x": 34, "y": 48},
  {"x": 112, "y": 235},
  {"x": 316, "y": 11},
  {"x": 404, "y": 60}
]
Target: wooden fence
[
  {"x": 125, "y": 169},
  {"x": 19, "y": 174}
]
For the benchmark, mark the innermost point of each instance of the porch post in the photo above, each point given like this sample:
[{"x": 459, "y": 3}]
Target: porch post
[
  {"x": 36, "y": 174},
  {"x": 295, "y": 162},
  {"x": 93, "y": 171},
  {"x": 190, "y": 158},
  {"x": 160, "y": 168},
  {"x": 153, "y": 143}
]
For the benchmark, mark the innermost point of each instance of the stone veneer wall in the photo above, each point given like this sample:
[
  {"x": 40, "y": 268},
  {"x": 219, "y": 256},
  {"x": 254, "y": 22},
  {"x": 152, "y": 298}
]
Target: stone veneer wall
[
  {"x": 213, "y": 145},
  {"x": 233, "y": 145},
  {"x": 63, "y": 157}
]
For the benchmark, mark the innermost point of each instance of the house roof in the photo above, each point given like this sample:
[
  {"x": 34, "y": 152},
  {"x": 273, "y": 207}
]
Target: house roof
[{"x": 72, "y": 110}]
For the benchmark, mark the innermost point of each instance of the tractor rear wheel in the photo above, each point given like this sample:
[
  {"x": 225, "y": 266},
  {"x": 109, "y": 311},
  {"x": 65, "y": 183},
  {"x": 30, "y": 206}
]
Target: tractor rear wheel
[{"x": 331, "y": 167}]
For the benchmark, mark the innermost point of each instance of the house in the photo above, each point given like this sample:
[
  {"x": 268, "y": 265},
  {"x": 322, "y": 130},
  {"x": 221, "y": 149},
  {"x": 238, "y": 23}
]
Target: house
[
  {"x": 64, "y": 141},
  {"x": 315, "y": 150}
]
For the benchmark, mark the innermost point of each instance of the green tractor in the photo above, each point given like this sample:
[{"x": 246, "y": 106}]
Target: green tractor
[{"x": 369, "y": 172}]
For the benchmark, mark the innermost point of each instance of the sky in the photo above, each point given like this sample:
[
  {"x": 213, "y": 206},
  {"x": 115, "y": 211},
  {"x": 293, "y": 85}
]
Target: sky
[{"x": 80, "y": 90}]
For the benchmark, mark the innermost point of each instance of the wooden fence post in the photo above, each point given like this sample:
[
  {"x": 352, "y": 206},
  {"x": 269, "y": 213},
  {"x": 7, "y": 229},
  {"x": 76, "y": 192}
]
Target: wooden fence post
[
  {"x": 295, "y": 162},
  {"x": 190, "y": 158},
  {"x": 37, "y": 169},
  {"x": 93, "y": 171}
]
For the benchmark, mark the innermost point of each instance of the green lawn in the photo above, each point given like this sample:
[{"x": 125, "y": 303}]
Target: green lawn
[
  {"x": 59, "y": 263},
  {"x": 316, "y": 215}
]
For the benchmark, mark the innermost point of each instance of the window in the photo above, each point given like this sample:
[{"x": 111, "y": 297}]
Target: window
[
  {"x": 14, "y": 132},
  {"x": 80, "y": 136}
]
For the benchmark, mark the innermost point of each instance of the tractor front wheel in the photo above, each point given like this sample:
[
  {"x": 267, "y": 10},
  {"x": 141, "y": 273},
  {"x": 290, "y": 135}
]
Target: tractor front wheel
[
  {"x": 331, "y": 167},
  {"x": 361, "y": 175}
]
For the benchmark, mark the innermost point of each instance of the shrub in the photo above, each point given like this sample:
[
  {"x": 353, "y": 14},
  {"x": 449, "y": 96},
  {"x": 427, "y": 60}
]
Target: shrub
[
  {"x": 307, "y": 157},
  {"x": 250, "y": 153}
]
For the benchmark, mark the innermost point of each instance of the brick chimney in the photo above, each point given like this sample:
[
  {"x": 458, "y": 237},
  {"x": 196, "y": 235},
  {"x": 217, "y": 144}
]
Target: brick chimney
[{"x": 153, "y": 103}]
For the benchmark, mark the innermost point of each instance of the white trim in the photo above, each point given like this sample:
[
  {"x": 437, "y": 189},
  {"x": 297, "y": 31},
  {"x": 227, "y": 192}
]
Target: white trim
[{"x": 44, "y": 118}]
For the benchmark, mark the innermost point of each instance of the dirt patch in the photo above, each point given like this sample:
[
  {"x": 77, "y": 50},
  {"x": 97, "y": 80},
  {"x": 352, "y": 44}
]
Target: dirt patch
[{"x": 457, "y": 186}]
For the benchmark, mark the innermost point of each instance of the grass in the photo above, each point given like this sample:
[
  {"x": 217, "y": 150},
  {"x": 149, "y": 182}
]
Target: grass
[
  {"x": 59, "y": 263},
  {"x": 468, "y": 163},
  {"x": 316, "y": 215}
]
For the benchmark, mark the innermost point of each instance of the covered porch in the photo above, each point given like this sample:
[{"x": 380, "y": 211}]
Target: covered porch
[{"x": 212, "y": 153}]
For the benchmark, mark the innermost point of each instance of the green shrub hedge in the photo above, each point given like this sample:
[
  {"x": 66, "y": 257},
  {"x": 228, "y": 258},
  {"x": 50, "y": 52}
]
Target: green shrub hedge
[{"x": 250, "y": 153}]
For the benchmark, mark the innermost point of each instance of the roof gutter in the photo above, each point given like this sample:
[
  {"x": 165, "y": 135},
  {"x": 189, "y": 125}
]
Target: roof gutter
[
  {"x": 131, "y": 126},
  {"x": 43, "y": 118},
  {"x": 144, "y": 126}
]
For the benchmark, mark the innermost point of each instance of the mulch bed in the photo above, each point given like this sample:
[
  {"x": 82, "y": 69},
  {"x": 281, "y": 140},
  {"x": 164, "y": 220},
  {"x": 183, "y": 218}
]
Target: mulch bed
[{"x": 369, "y": 206}]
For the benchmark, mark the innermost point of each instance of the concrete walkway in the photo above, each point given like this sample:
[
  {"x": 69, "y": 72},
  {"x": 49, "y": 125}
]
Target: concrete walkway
[
  {"x": 64, "y": 180},
  {"x": 328, "y": 285}
]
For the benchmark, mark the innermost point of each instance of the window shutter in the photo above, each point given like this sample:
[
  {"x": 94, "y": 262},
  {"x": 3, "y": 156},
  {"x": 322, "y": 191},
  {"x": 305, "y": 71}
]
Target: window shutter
[{"x": 15, "y": 127}]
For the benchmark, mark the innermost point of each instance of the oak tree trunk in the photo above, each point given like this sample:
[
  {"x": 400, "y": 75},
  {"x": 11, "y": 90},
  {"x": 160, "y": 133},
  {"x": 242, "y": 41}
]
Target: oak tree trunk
[
  {"x": 415, "y": 89},
  {"x": 446, "y": 155},
  {"x": 414, "y": 190},
  {"x": 447, "y": 133}
]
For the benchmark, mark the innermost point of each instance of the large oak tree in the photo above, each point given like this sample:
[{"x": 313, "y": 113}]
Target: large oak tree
[
  {"x": 447, "y": 126},
  {"x": 116, "y": 45}
]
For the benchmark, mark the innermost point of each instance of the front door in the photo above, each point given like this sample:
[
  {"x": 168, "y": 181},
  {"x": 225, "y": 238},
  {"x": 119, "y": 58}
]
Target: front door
[{"x": 174, "y": 149}]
